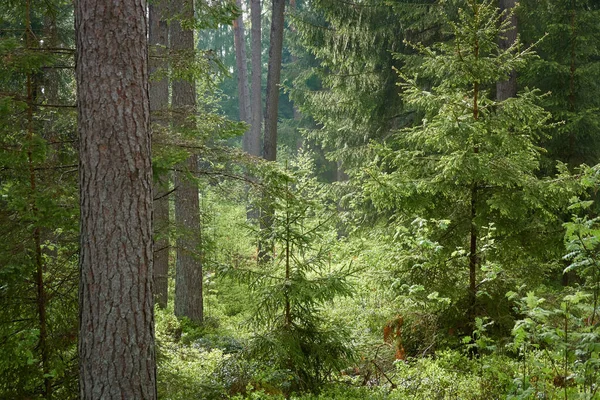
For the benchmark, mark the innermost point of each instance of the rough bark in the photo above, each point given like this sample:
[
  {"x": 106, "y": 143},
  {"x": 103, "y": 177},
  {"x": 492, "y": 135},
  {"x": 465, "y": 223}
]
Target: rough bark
[
  {"x": 265, "y": 246},
  {"x": 159, "y": 104},
  {"x": 256, "y": 84},
  {"x": 239, "y": 42},
  {"x": 188, "y": 273},
  {"x": 507, "y": 89},
  {"x": 116, "y": 340},
  {"x": 273, "y": 80}
]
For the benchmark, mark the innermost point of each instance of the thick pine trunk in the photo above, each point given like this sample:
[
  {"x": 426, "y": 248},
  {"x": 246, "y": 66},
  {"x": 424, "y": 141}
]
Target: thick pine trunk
[
  {"x": 159, "y": 104},
  {"x": 116, "y": 340},
  {"x": 188, "y": 273},
  {"x": 239, "y": 42},
  {"x": 507, "y": 89},
  {"x": 251, "y": 141},
  {"x": 256, "y": 84}
]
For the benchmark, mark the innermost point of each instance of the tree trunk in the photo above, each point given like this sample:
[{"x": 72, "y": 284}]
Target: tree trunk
[
  {"x": 265, "y": 246},
  {"x": 473, "y": 234},
  {"x": 256, "y": 84},
  {"x": 507, "y": 89},
  {"x": 188, "y": 274},
  {"x": 473, "y": 258},
  {"x": 159, "y": 104},
  {"x": 116, "y": 340},
  {"x": 297, "y": 113},
  {"x": 40, "y": 267},
  {"x": 572, "y": 73},
  {"x": 239, "y": 42},
  {"x": 273, "y": 79}
]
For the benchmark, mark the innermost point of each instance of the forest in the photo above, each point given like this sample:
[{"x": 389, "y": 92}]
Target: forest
[{"x": 302, "y": 199}]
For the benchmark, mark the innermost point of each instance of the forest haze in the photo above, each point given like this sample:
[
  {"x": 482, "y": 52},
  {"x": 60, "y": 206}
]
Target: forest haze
[{"x": 303, "y": 199}]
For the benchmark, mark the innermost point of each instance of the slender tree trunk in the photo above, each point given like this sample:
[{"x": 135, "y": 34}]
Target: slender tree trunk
[
  {"x": 507, "y": 89},
  {"x": 251, "y": 142},
  {"x": 297, "y": 113},
  {"x": 159, "y": 104},
  {"x": 116, "y": 340},
  {"x": 51, "y": 76},
  {"x": 288, "y": 266},
  {"x": 273, "y": 80},
  {"x": 572, "y": 71},
  {"x": 265, "y": 247},
  {"x": 40, "y": 283},
  {"x": 473, "y": 237},
  {"x": 239, "y": 42},
  {"x": 473, "y": 259},
  {"x": 188, "y": 274},
  {"x": 256, "y": 84}
]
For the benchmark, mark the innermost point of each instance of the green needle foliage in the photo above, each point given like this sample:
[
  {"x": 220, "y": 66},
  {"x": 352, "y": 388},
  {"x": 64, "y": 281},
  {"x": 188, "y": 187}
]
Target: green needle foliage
[
  {"x": 568, "y": 68},
  {"x": 349, "y": 88},
  {"x": 296, "y": 286},
  {"x": 472, "y": 162}
]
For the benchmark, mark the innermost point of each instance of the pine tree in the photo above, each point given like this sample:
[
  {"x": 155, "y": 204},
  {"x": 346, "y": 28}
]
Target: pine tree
[
  {"x": 188, "y": 276},
  {"x": 116, "y": 339},
  {"x": 256, "y": 103},
  {"x": 241, "y": 63},
  {"x": 159, "y": 103}
]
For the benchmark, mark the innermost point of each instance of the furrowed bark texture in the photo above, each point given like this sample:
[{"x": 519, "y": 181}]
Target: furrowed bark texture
[
  {"x": 256, "y": 84},
  {"x": 116, "y": 340},
  {"x": 188, "y": 274},
  {"x": 507, "y": 89},
  {"x": 159, "y": 104}
]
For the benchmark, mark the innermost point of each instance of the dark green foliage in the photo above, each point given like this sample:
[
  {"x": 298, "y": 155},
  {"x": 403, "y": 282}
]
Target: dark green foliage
[
  {"x": 350, "y": 87},
  {"x": 569, "y": 69}
]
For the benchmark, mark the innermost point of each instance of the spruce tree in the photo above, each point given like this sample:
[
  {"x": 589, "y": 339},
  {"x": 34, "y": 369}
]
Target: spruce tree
[
  {"x": 293, "y": 288},
  {"x": 349, "y": 86},
  {"x": 470, "y": 164}
]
